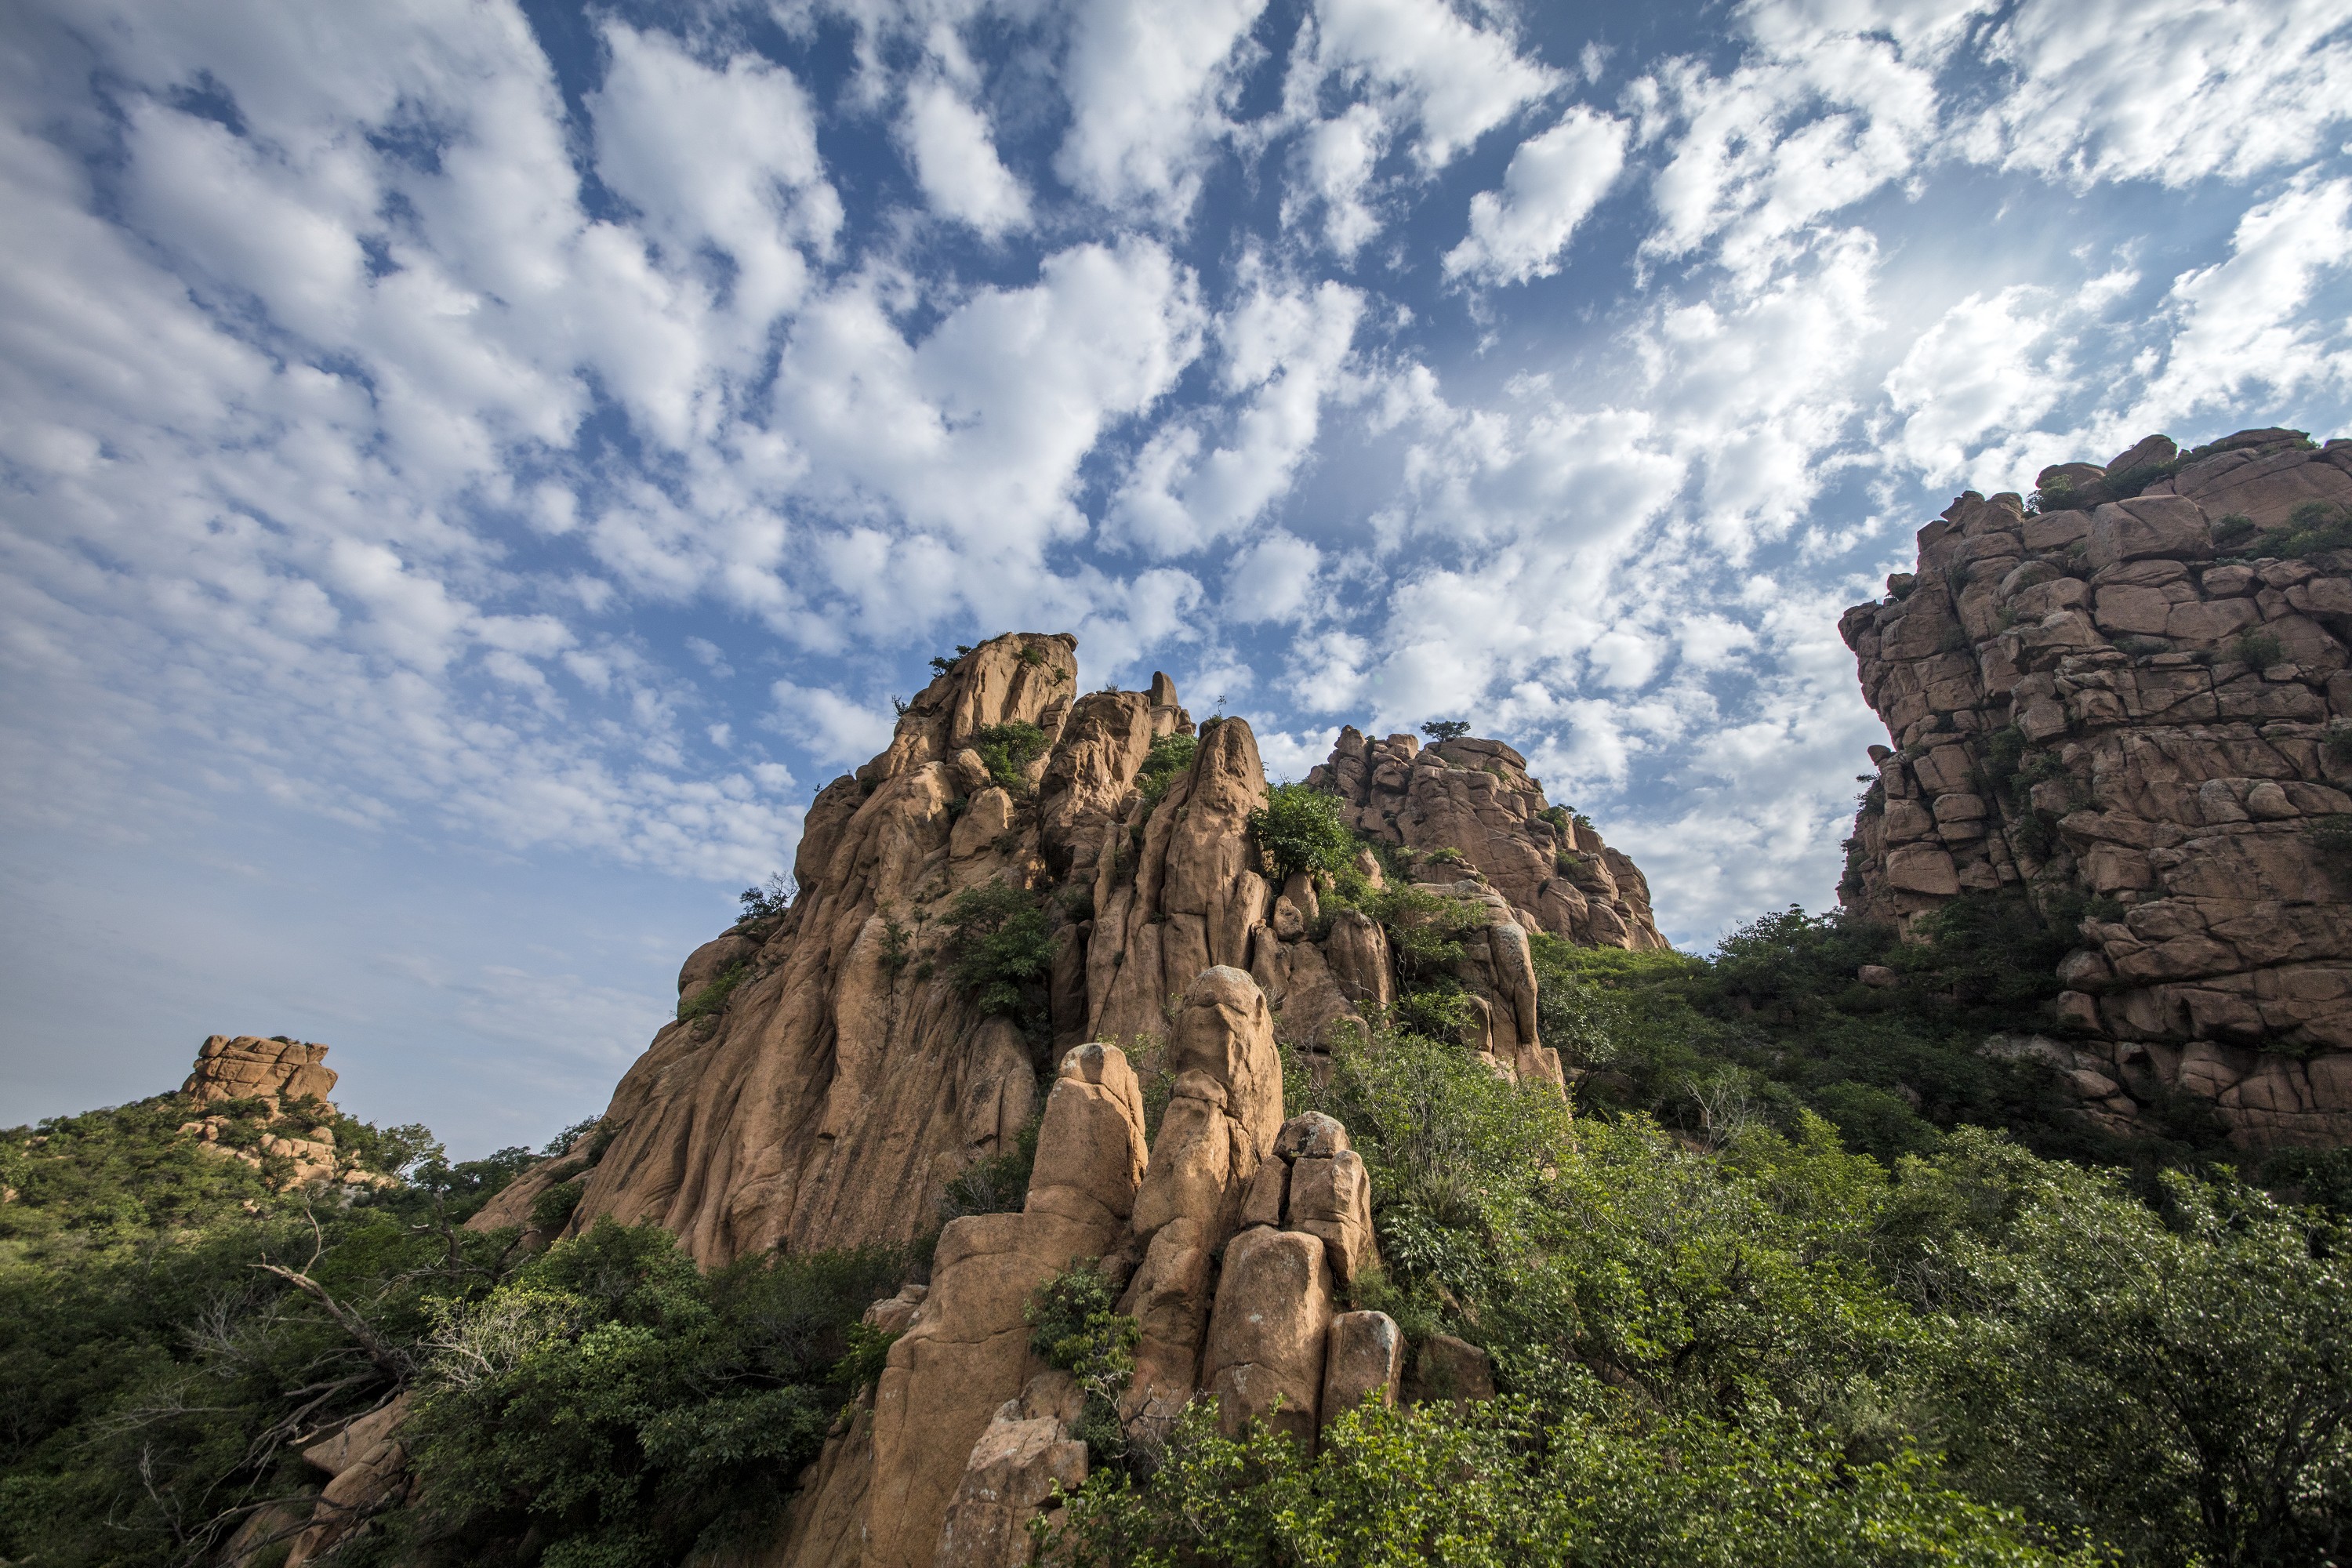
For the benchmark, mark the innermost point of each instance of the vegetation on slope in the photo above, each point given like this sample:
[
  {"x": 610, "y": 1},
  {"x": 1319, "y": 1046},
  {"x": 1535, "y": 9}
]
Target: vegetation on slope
[{"x": 1780, "y": 1351}]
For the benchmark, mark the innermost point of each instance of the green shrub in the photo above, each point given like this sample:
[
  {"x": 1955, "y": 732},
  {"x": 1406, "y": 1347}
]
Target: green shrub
[
  {"x": 1424, "y": 929},
  {"x": 1007, "y": 749},
  {"x": 768, "y": 900},
  {"x": 944, "y": 663},
  {"x": 1441, "y": 1013},
  {"x": 712, "y": 997},
  {"x": 2335, "y": 745},
  {"x": 2036, "y": 832},
  {"x": 2258, "y": 650},
  {"x": 1169, "y": 755},
  {"x": 998, "y": 1184},
  {"x": 1000, "y": 944},
  {"x": 1076, "y": 1326},
  {"x": 552, "y": 1208},
  {"x": 1299, "y": 829},
  {"x": 2234, "y": 529},
  {"x": 2331, "y": 837}
]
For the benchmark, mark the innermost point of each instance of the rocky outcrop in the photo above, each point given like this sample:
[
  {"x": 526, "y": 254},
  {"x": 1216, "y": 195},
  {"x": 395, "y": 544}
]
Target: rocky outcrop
[
  {"x": 246, "y": 1067},
  {"x": 834, "y": 1071},
  {"x": 1232, "y": 1242},
  {"x": 1474, "y": 797},
  {"x": 842, "y": 1086},
  {"x": 2124, "y": 701},
  {"x": 277, "y": 1070}
]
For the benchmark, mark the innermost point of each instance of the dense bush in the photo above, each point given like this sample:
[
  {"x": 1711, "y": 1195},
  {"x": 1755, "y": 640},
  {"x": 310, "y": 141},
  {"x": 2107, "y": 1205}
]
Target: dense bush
[
  {"x": 1008, "y": 748},
  {"x": 1169, "y": 755},
  {"x": 1001, "y": 944},
  {"x": 1299, "y": 829},
  {"x": 1782, "y": 1351}
]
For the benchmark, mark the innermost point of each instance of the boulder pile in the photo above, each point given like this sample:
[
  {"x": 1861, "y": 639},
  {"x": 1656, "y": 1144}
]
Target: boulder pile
[{"x": 2132, "y": 701}]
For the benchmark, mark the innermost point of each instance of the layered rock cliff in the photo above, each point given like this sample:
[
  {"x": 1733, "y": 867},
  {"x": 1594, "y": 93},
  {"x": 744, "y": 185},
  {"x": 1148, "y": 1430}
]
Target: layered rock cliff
[{"x": 2128, "y": 700}]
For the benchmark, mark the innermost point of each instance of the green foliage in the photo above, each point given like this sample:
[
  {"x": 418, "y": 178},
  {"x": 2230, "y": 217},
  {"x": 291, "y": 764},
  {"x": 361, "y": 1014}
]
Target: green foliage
[
  {"x": 1440, "y": 1012},
  {"x": 2257, "y": 649},
  {"x": 1299, "y": 829},
  {"x": 1169, "y": 755},
  {"x": 1424, "y": 929},
  {"x": 1502, "y": 1484},
  {"x": 553, "y": 1207},
  {"x": 2233, "y": 529},
  {"x": 1439, "y": 731},
  {"x": 2335, "y": 745},
  {"x": 1000, "y": 945},
  {"x": 942, "y": 664},
  {"x": 2331, "y": 837},
  {"x": 2170, "y": 1378},
  {"x": 768, "y": 900},
  {"x": 998, "y": 1184},
  {"x": 608, "y": 1403},
  {"x": 711, "y": 998},
  {"x": 1008, "y": 748},
  {"x": 1074, "y": 1324},
  {"x": 1779, "y": 1022}
]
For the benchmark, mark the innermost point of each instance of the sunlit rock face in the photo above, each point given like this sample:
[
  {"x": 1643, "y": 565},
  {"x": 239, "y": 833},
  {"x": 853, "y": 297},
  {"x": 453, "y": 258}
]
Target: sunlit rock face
[{"x": 2135, "y": 698}]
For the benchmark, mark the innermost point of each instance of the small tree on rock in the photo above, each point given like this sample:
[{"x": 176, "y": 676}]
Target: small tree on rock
[{"x": 1442, "y": 730}]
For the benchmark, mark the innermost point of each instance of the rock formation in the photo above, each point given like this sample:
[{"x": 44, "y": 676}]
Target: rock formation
[
  {"x": 836, "y": 1066},
  {"x": 274, "y": 1071},
  {"x": 1233, "y": 1240},
  {"x": 1474, "y": 797},
  {"x": 846, "y": 1076},
  {"x": 2125, "y": 701}
]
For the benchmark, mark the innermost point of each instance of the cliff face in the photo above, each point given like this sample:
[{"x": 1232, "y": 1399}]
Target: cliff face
[{"x": 2133, "y": 701}]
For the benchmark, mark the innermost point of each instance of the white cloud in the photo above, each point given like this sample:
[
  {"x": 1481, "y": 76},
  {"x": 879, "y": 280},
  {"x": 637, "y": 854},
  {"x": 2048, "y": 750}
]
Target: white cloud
[
  {"x": 956, "y": 162},
  {"x": 1426, "y": 64},
  {"x": 1145, "y": 79},
  {"x": 1283, "y": 348},
  {"x": 1334, "y": 169},
  {"x": 1981, "y": 370},
  {"x": 1553, "y": 182},
  {"x": 2245, "y": 319},
  {"x": 834, "y": 728},
  {"x": 1273, "y": 580},
  {"x": 2171, "y": 90}
]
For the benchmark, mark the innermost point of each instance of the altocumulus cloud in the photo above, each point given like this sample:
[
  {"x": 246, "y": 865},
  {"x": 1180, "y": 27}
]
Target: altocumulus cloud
[{"x": 562, "y": 432}]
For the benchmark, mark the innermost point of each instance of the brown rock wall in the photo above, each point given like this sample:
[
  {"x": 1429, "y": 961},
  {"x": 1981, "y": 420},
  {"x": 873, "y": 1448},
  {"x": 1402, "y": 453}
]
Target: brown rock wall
[{"x": 2121, "y": 704}]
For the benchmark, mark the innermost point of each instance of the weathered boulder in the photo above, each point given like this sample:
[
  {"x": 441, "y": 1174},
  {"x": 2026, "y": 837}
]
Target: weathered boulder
[
  {"x": 1218, "y": 1129},
  {"x": 1009, "y": 1475},
  {"x": 1264, "y": 1360},
  {"x": 246, "y": 1067},
  {"x": 1474, "y": 796},
  {"x": 1363, "y": 1358}
]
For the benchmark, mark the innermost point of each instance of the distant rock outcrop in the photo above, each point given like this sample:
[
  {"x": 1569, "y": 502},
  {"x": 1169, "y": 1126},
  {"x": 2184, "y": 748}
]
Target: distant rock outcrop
[
  {"x": 2131, "y": 702},
  {"x": 275, "y": 1070}
]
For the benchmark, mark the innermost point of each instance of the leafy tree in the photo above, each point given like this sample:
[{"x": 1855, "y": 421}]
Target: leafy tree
[
  {"x": 1442, "y": 730},
  {"x": 1008, "y": 748},
  {"x": 1001, "y": 944},
  {"x": 1299, "y": 829}
]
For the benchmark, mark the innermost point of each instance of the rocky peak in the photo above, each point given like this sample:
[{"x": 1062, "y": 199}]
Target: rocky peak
[
  {"x": 836, "y": 1066},
  {"x": 2131, "y": 699},
  {"x": 1474, "y": 797}
]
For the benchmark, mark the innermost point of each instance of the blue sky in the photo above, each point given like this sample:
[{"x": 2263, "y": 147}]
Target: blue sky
[{"x": 468, "y": 473}]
